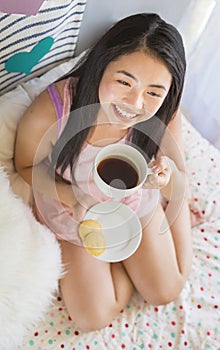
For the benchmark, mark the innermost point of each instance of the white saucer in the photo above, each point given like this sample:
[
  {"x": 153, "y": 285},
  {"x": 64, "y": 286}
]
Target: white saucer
[{"x": 121, "y": 228}]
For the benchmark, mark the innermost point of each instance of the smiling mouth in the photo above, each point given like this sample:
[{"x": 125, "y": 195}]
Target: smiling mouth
[{"x": 123, "y": 113}]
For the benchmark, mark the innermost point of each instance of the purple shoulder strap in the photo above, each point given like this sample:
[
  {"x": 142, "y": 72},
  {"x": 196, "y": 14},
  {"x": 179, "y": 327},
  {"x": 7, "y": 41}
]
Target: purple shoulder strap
[{"x": 57, "y": 102}]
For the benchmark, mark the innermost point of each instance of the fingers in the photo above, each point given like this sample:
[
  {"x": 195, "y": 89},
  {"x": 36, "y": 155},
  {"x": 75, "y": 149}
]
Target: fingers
[
  {"x": 83, "y": 202},
  {"x": 161, "y": 166},
  {"x": 161, "y": 173}
]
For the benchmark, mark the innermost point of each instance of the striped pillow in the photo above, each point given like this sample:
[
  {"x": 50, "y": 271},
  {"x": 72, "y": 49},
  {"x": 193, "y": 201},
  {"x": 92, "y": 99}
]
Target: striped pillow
[{"x": 32, "y": 45}]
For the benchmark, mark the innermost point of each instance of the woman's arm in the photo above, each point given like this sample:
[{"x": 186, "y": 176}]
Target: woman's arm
[
  {"x": 36, "y": 134},
  {"x": 162, "y": 263},
  {"x": 177, "y": 192}
]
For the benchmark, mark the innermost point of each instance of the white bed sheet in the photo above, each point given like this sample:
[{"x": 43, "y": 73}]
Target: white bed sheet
[{"x": 190, "y": 322}]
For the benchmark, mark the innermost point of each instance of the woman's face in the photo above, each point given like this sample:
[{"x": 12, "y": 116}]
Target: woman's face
[{"x": 132, "y": 89}]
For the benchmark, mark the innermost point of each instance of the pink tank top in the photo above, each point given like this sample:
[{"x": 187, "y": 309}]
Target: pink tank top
[{"x": 57, "y": 216}]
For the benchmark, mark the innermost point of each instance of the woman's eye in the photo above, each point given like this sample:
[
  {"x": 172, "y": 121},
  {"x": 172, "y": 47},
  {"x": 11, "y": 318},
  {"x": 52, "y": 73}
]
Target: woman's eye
[
  {"x": 123, "y": 82},
  {"x": 151, "y": 93}
]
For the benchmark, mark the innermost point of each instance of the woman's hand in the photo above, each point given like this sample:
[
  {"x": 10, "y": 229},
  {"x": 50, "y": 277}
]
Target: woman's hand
[
  {"x": 162, "y": 172},
  {"x": 82, "y": 202}
]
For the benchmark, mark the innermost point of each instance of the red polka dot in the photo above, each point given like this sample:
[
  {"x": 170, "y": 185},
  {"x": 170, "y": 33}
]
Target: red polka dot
[
  {"x": 207, "y": 257},
  {"x": 185, "y": 343},
  {"x": 123, "y": 346},
  {"x": 76, "y": 333},
  {"x": 215, "y": 306},
  {"x": 156, "y": 309},
  {"x": 113, "y": 336},
  {"x": 149, "y": 346},
  {"x": 208, "y": 333},
  {"x": 205, "y": 239},
  {"x": 62, "y": 346},
  {"x": 126, "y": 325},
  {"x": 60, "y": 309},
  {"x": 36, "y": 334},
  {"x": 199, "y": 306},
  {"x": 182, "y": 331},
  {"x": 87, "y": 347},
  {"x": 173, "y": 323},
  {"x": 181, "y": 307},
  {"x": 59, "y": 298},
  {"x": 201, "y": 288},
  {"x": 148, "y": 324},
  {"x": 169, "y": 344},
  {"x": 69, "y": 318},
  {"x": 195, "y": 199}
]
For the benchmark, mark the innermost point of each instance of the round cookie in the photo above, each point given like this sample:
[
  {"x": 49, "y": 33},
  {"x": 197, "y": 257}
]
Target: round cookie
[
  {"x": 95, "y": 243},
  {"x": 91, "y": 233},
  {"x": 87, "y": 226}
]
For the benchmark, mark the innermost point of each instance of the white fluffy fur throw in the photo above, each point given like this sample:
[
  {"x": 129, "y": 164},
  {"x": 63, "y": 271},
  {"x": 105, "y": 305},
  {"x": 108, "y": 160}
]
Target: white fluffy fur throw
[{"x": 30, "y": 266}]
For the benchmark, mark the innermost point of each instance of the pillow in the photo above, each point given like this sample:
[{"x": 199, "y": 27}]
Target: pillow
[
  {"x": 13, "y": 104},
  {"x": 203, "y": 71},
  {"x": 193, "y": 22},
  {"x": 31, "y": 45}
]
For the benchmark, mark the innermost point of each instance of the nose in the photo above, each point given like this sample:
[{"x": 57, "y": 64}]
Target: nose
[{"x": 135, "y": 98}]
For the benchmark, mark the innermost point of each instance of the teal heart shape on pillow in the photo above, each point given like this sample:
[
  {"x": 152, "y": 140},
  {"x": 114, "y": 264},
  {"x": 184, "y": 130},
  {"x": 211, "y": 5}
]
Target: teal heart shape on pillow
[{"x": 23, "y": 62}]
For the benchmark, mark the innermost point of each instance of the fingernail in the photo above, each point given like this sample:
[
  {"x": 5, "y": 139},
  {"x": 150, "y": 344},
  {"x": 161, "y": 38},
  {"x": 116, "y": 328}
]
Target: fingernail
[{"x": 155, "y": 169}]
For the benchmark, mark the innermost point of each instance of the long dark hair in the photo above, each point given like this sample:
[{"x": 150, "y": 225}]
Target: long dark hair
[{"x": 146, "y": 32}]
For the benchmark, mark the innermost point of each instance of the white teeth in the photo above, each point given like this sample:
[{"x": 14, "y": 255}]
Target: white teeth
[{"x": 124, "y": 113}]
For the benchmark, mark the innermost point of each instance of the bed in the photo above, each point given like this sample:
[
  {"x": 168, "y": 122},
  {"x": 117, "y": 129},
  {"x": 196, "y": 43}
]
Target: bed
[{"x": 33, "y": 315}]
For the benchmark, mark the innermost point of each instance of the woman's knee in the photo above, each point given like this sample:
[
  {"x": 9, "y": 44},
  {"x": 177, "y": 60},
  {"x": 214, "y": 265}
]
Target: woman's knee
[
  {"x": 93, "y": 319},
  {"x": 162, "y": 295}
]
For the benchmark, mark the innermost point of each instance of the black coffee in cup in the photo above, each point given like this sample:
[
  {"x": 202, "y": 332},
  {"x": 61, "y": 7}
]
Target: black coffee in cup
[{"x": 118, "y": 173}]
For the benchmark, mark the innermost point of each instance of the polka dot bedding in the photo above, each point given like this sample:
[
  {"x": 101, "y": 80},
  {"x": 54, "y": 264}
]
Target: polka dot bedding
[{"x": 190, "y": 322}]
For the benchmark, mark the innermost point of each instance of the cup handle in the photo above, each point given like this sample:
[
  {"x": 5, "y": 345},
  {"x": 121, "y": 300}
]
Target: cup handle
[{"x": 150, "y": 172}]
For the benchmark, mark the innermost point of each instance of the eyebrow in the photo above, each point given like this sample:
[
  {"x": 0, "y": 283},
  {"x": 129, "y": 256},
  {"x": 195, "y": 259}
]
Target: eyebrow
[
  {"x": 158, "y": 86},
  {"x": 133, "y": 77}
]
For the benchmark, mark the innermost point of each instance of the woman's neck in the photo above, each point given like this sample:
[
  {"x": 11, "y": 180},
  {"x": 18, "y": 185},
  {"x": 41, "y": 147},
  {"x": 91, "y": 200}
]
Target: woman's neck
[{"x": 104, "y": 134}]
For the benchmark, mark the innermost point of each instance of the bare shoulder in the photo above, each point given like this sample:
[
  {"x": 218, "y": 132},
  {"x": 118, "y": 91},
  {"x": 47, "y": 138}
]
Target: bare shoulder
[
  {"x": 172, "y": 141},
  {"x": 41, "y": 114},
  {"x": 175, "y": 125},
  {"x": 37, "y": 130}
]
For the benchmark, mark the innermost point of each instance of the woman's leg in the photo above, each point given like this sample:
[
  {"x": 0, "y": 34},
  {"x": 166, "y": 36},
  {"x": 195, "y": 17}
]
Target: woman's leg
[
  {"x": 94, "y": 291},
  {"x": 160, "y": 266}
]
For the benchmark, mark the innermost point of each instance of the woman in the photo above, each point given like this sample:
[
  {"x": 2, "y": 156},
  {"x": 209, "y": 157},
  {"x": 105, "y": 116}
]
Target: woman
[{"x": 127, "y": 89}]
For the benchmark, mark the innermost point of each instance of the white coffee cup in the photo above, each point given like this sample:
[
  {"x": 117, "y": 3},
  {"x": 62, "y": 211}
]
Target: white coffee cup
[{"x": 116, "y": 186}]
